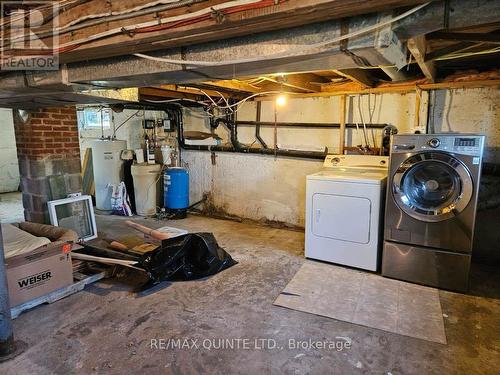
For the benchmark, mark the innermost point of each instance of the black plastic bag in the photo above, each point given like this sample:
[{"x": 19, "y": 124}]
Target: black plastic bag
[{"x": 187, "y": 257}]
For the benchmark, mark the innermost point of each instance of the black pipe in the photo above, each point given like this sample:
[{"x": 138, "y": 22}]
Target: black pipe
[
  {"x": 257, "y": 125},
  {"x": 261, "y": 151},
  {"x": 307, "y": 124},
  {"x": 239, "y": 148}
]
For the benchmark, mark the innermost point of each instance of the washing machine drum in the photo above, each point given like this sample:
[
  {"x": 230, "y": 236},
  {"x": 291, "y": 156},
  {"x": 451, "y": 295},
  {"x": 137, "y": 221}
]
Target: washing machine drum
[{"x": 432, "y": 186}]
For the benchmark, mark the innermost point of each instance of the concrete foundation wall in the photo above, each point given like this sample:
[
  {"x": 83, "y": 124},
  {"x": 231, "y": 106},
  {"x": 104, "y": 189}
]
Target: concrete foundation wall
[
  {"x": 268, "y": 189},
  {"x": 131, "y": 131},
  {"x": 9, "y": 165}
]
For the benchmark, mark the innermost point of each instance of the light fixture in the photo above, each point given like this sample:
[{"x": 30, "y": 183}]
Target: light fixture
[{"x": 281, "y": 100}]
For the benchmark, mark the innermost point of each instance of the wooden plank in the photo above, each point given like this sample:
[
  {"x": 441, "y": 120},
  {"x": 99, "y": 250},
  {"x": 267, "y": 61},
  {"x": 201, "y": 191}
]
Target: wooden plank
[
  {"x": 272, "y": 16},
  {"x": 454, "y": 48},
  {"x": 466, "y": 37},
  {"x": 417, "y": 47},
  {"x": 165, "y": 94},
  {"x": 361, "y": 76},
  {"x": 232, "y": 85},
  {"x": 300, "y": 82},
  {"x": 399, "y": 88},
  {"x": 342, "y": 123},
  {"x": 418, "y": 97},
  {"x": 88, "y": 184}
]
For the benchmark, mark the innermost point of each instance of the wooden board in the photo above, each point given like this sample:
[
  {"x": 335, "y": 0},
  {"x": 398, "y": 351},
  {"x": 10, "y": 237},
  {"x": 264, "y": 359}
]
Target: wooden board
[
  {"x": 88, "y": 185},
  {"x": 241, "y": 20}
]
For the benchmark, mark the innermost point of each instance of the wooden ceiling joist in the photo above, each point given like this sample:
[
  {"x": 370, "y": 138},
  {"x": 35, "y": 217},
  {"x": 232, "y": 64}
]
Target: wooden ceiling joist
[
  {"x": 466, "y": 37},
  {"x": 160, "y": 93},
  {"x": 417, "y": 47},
  {"x": 198, "y": 22},
  {"x": 357, "y": 75},
  {"x": 454, "y": 48},
  {"x": 234, "y": 85},
  {"x": 296, "y": 82}
]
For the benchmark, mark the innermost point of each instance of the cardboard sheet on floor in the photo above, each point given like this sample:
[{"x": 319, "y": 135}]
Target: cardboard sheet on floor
[{"x": 366, "y": 299}]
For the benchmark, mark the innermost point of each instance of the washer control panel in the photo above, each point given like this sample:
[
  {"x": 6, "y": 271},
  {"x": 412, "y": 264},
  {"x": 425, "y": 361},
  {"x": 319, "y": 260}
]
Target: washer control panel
[
  {"x": 434, "y": 142},
  {"x": 465, "y": 144}
]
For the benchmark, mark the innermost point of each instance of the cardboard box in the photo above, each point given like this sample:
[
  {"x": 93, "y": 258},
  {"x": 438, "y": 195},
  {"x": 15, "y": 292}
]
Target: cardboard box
[{"x": 39, "y": 272}]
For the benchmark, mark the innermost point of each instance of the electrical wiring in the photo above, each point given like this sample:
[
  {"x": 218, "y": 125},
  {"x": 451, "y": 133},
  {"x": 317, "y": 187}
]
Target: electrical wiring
[
  {"x": 210, "y": 98},
  {"x": 177, "y": 21},
  {"x": 467, "y": 54},
  {"x": 116, "y": 13},
  {"x": 286, "y": 54},
  {"x": 367, "y": 143},
  {"x": 371, "y": 112},
  {"x": 124, "y": 122},
  {"x": 225, "y": 8}
]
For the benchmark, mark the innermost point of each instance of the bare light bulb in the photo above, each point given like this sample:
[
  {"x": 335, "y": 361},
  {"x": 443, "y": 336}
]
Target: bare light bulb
[{"x": 281, "y": 100}]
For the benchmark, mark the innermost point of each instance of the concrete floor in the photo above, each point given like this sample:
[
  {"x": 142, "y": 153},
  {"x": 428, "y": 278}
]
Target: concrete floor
[{"x": 106, "y": 329}]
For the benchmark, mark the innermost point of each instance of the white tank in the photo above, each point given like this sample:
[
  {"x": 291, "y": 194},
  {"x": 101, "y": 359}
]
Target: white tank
[
  {"x": 146, "y": 179},
  {"x": 108, "y": 169}
]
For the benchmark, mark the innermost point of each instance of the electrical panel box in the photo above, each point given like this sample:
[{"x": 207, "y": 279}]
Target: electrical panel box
[
  {"x": 149, "y": 124},
  {"x": 167, "y": 125}
]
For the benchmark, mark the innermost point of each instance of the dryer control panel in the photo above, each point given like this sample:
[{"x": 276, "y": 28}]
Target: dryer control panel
[
  {"x": 464, "y": 144},
  {"x": 356, "y": 161}
]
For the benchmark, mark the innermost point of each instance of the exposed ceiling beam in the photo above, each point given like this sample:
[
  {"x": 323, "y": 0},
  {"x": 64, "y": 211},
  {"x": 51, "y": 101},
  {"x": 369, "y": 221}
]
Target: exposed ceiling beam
[
  {"x": 233, "y": 85},
  {"x": 466, "y": 37},
  {"x": 168, "y": 94},
  {"x": 400, "y": 88},
  {"x": 307, "y": 82},
  {"x": 452, "y": 14},
  {"x": 417, "y": 47},
  {"x": 454, "y": 48},
  {"x": 122, "y": 37},
  {"x": 360, "y": 76}
]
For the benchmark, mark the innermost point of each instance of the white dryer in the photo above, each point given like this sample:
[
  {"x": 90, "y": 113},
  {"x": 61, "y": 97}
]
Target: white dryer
[{"x": 344, "y": 210}]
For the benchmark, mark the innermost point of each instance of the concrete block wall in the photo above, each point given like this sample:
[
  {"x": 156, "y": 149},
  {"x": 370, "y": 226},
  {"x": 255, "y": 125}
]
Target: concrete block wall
[
  {"x": 9, "y": 168},
  {"x": 49, "y": 159}
]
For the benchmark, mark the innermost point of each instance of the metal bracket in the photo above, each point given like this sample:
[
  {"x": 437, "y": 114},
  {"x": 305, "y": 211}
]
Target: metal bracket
[{"x": 217, "y": 15}]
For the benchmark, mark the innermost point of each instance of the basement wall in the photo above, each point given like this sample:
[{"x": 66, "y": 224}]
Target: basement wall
[
  {"x": 9, "y": 165},
  {"x": 49, "y": 159},
  {"x": 131, "y": 131},
  {"x": 266, "y": 189}
]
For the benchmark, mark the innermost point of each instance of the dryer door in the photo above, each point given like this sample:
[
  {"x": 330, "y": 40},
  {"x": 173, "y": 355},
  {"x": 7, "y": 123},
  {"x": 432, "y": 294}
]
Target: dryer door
[
  {"x": 341, "y": 217},
  {"x": 432, "y": 186}
]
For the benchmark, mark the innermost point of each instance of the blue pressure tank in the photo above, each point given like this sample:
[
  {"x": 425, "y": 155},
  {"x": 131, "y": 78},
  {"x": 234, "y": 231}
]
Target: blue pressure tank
[{"x": 176, "y": 188}]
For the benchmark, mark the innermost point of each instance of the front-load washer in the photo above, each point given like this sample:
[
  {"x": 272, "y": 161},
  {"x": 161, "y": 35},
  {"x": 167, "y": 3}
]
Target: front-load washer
[
  {"x": 343, "y": 210},
  {"x": 431, "y": 207}
]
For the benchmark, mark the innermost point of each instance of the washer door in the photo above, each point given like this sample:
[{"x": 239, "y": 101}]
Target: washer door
[{"x": 432, "y": 186}]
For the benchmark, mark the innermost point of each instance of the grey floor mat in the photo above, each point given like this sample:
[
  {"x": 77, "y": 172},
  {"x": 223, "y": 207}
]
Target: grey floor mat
[{"x": 366, "y": 299}]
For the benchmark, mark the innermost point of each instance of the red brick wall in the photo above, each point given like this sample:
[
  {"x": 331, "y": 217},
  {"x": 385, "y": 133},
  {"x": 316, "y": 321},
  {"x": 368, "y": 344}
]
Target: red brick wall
[
  {"x": 49, "y": 159},
  {"x": 50, "y": 133}
]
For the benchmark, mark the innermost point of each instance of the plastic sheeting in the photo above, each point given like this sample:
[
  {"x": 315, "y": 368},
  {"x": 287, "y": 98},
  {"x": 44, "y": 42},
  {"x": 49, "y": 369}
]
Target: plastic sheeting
[{"x": 187, "y": 257}]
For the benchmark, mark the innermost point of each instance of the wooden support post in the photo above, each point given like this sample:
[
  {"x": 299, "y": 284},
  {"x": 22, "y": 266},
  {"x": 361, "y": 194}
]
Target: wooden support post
[
  {"x": 417, "y": 47},
  {"x": 342, "y": 124},
  {"x": 418, "y": 97}
]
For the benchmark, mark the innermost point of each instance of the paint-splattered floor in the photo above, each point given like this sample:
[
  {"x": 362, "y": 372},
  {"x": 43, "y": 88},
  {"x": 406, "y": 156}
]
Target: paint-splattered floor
[{"x": 108, "y": 330}]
